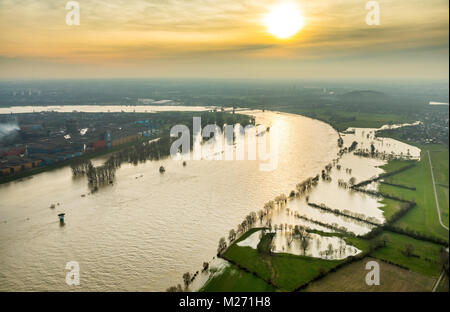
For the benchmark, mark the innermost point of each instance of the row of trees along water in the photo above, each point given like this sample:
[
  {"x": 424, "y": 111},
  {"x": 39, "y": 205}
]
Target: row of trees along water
[{"x": 155, "y": 149}]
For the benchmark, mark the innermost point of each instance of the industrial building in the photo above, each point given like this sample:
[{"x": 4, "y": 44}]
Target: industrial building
[{"x": 60, "y": 137}]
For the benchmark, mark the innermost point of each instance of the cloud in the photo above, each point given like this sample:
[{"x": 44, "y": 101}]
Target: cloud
[{"x": 117, "y": 32}]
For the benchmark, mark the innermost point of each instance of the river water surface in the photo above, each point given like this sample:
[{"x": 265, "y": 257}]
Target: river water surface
[{"x": 146, "y": 230}]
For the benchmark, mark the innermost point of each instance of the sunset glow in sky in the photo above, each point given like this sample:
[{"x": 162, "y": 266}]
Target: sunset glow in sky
[
  {"x": 224, "y": 39},
  {"x": 283, "y": 20}
]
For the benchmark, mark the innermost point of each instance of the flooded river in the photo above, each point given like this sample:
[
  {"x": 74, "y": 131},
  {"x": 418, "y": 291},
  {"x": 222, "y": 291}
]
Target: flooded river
[{"x": 147, "y": 229}]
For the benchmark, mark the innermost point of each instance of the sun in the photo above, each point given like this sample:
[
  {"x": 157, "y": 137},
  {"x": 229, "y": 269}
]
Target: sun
[{"x": 284, "y": 20}]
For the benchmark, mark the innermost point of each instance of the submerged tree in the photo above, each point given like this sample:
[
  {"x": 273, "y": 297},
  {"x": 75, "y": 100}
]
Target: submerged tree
[
  {"x": 222, "y": 245},
  {"x": 80, "y": 167},
  {"x": 187, "y": 279},
  {"x": 330, "y": 250},
  {"x": 372, "y": 149},
  {"x": 353, "y": 146},
  {"x": 352, "y": 181},
  {"x": 232, "y": 235},
  {"x": 304, "y": 243}
]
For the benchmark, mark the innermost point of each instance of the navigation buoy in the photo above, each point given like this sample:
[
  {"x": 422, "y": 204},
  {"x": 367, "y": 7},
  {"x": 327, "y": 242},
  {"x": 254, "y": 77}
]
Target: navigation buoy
[{"x": 61, "y": 218}]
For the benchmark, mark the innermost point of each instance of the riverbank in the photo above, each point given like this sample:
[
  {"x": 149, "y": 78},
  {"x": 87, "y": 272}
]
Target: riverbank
[{"x": 104, "y": 152}]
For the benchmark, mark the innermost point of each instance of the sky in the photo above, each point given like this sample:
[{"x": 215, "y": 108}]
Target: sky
[{"x": 223, "y": 39}]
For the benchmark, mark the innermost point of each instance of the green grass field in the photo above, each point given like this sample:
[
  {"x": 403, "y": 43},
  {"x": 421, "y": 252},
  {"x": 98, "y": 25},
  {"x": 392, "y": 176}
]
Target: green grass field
[
  {"x": 396, "y": 164},
  {"x": 440, "y": 159},
  {"x": 444, "y": 285},
  {"x": 442, "y": 193},
  {"x": 236, "y": 280},
  {"x": 292, "y": 271},
  {"x": 390, "y": 207},
  {"x": 351, "y": 278},
  {"x": 285, "y": 271},
  {"x": 424, "y": 217},
  {"x": 427, "y": 253}
]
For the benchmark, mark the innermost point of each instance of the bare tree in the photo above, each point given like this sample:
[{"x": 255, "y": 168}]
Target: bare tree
[
  {"x": 232, "y": 235},
  {"x": 187, "y": 279},
  {"x": 304, "y": 243},
  {"x": 222, "y": 245}
]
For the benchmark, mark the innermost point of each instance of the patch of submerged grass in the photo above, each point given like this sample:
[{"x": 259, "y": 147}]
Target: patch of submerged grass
[{"x": 360, "y": 243}]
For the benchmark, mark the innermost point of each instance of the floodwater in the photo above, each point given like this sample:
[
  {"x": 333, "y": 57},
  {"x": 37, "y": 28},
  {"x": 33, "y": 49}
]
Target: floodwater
[
  {"x": 324, "y": 247},
  {"x": 147, "y": 229},
  {"x": 101, "y": 108},
  {"x": 144, "y": 231},
  {"x": 318, "y": 247},
  {"x": 367, "y": 136}
]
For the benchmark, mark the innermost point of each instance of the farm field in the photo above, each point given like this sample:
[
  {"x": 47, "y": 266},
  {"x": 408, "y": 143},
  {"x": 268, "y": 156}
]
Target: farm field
[
  {"x": 424, "y": 258},
  {"x": 424, "y": 217},
  {"x": 444, "y": 285},
  {"x": 351, "y": 278},
  {"x": 390, "y": 207},
  {"x": 236, "y": 280},
  {"x": 440, "y": 160}
]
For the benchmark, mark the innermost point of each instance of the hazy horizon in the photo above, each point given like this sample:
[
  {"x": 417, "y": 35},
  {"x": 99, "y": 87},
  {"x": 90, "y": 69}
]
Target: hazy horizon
[{"x": 222, "y": 39}]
